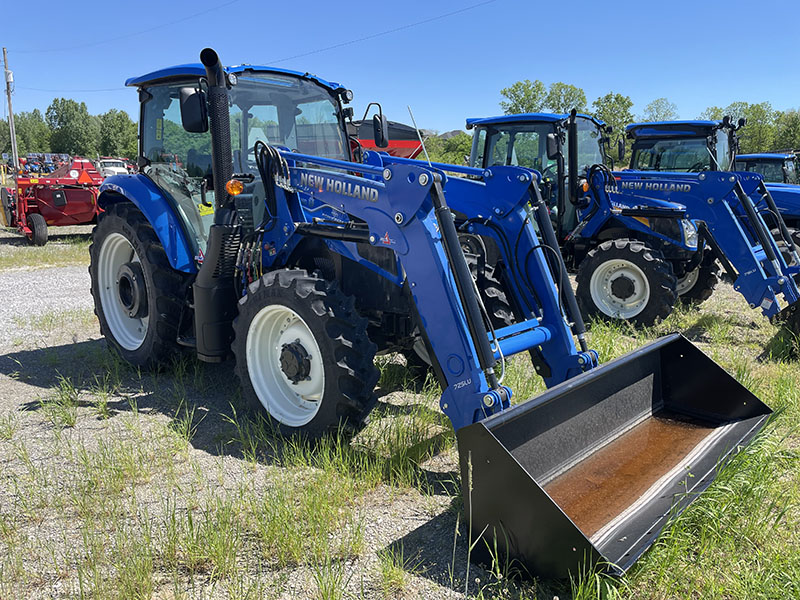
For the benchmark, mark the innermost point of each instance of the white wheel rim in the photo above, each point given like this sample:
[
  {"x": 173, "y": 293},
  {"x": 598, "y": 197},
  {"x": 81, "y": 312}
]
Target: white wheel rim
[
  {"x": 292, "y": 404},
  {"x": 603, "y": 297},
  {"x": 687, "y": 282},
  {"x": 129, "y": 332}
]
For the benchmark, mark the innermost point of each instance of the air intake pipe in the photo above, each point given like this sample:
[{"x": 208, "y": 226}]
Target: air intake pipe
[
  {"x": 214, "y": 291},
  {"x": 221, "y": 156}
]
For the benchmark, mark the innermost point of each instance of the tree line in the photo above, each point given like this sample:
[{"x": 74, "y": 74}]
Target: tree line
[
  {"x": 767, "y": 129},
  {"x": 67, "y": 127}
]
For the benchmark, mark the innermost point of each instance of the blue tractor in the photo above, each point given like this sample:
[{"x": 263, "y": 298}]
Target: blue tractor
[
  {"x": 633, "y": 256},
  {"x": 697, "y": 146},
  {"x": 775, "y": 167},
  {"x": 251, "y": 232}
]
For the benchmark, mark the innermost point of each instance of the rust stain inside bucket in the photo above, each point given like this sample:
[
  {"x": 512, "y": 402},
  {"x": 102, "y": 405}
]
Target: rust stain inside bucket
[{"x": 603, "y": 485}]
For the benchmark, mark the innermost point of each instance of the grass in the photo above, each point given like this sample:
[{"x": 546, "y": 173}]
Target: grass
[
  {"x": 64, "y": 251},
  {"x": 112, "y": 489}
]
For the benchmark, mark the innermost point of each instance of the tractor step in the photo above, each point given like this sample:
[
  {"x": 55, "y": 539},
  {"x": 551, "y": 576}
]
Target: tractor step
[{"x": 593, "y": 469}]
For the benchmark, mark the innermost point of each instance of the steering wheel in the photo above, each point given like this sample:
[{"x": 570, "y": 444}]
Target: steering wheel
[
  {"x": 697, "y": 167},
  {"x": 552, "y": 168}
]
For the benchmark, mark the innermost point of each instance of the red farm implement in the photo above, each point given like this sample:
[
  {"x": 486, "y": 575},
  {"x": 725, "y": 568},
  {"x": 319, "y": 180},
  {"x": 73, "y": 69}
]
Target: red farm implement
[{"x": 68, "y": 196}]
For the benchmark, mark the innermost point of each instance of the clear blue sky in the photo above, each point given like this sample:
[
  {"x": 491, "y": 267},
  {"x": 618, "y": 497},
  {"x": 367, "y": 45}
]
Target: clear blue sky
[{"x": 447, "y": 69}]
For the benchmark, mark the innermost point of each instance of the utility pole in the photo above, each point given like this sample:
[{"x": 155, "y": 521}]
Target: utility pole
[{"x": 14, "y": 156}]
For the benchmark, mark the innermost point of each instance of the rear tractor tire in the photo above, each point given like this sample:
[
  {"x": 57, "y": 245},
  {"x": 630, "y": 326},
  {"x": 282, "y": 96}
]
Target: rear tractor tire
[
  {"x": 138, "y": 297},
  {"x": 38, "y": 227},
  {"x": 625, "y": 280},
  {"x": 302, "y": 353},
  {"x": 698, "y": 285}
]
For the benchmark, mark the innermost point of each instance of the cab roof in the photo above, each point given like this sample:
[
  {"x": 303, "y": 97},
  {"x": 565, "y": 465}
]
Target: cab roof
[
  {"x": 675, "y": 128},
  {"x": 765, "y": 156},
  {"x": 198, "y": 70},
  {"x": 524, "y": 118}
]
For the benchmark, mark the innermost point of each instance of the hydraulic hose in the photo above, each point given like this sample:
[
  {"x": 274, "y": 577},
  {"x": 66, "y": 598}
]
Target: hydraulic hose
[
  {"x": 568, "y": 295},
  {"x": 463, "y": 279}
]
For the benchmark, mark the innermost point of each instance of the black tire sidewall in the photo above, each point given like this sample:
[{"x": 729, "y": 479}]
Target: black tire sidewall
[
  {"x": 38, "y": 227},
  {"x": 660, "y": 279},
  {"x": 147, "y": 354},
  {"x": 329, "y": 416}
]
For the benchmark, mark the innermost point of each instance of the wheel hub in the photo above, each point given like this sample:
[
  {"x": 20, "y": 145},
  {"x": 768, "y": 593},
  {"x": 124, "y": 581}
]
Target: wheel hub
[
  {"x": 623, "y": 287},
  {"x": 131, "y": 289},
  {"x": 295, "y": 362}
]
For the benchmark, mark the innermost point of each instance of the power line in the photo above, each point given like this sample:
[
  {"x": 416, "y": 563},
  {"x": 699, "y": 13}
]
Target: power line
[
  {"x": 114, "y": 89},
  {"x": 128, "y": 35},
  {"x": 382, "y": 33}
]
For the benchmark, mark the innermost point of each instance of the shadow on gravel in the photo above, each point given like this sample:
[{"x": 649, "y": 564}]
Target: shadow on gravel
[
  {"x": 437, "y": 551},
  {"x": 186, "y": 389}
]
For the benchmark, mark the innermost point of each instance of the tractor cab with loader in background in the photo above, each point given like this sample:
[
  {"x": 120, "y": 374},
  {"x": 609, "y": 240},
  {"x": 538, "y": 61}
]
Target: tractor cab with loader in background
[
  {"x": 774, "y": 167},
  {"x": 699, "y": 146},
  {"x": 633, "y": 257},
  {"x": 303, "y": 266},
  {"x": 630, "y": 234}
]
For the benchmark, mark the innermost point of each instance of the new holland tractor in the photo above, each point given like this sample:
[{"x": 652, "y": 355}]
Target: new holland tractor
[
  {"x": 633, "y": 256},
  {"x": 638, "y": 239},
  {"x": 250, "y": 232},
  {"x": 699, "y": 146},
  {"x": 775, "y": 167}
]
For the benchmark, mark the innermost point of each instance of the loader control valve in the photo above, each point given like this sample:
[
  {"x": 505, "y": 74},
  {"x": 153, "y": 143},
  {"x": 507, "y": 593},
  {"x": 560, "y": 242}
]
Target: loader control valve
[{"x": 295, "y": 362}]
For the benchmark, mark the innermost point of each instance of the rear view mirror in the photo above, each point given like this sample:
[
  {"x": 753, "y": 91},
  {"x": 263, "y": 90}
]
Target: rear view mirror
[
  {"x": 552, "y": 146},
  {"x": 621, "y": 148},
  {"x": 194, "y": 112},
  {"x": 380, "y": 131}
]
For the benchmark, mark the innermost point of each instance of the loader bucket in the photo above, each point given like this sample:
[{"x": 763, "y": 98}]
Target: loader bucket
[{"x": 590, "y": 471}]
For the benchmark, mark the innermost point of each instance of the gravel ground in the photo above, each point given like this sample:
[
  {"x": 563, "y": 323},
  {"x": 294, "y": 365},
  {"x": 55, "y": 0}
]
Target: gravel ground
[{"x": 29, "y": 293}]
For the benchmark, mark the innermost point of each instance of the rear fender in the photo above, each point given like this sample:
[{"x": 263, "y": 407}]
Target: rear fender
[{"x": 158, "y": 210}]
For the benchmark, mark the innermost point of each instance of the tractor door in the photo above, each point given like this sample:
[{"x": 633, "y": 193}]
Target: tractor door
[{"x": 180, "y": 162}]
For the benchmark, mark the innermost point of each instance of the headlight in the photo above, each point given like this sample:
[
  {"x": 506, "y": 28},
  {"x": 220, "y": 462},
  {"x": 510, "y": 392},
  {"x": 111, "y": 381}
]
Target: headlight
[{"x": 689, "y": 233}]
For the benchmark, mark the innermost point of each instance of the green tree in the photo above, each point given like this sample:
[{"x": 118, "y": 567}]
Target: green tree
[
  {"x": 117, "y": 134},
  {"x": 74, "y": 130},
  {"x": 787, "y": 130},
  {"x": 712, "y": 113},
  {"x": 759, "y": 133},
  {"x": 660, "y": 109},
  {"x": 451, "y": 150},
  {"x": 523, "y": 96},
  {"x": 614, "y": 110},
  {"x": 563, "y": 97},
  {"x": 33, "y": 134}
]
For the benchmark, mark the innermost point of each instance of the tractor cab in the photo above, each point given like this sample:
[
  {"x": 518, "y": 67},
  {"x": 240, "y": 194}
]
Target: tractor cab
[
  {"x": 774, "y": 167},
  {"x": 539, "y": 141},
  {"x": 283, "y": 108},
  {"x": 683, "y": 146}
]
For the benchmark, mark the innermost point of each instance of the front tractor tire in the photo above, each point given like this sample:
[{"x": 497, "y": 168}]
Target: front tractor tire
[
  {"x": 697, "y": 286},
  {"x": 302, "y": 353},
  {"x": 625, "y": 280},
  {"x": 137, "y": 295}
]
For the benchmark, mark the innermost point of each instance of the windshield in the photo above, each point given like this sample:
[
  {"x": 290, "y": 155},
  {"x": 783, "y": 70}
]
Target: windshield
[
  {"x": 276, "y": 109},
  {"x": 676, "y": 154},
  {"x": 771, "y": 170},
  {"x": 112, "y": 163},
  {"x": 525, "y": 145}
]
